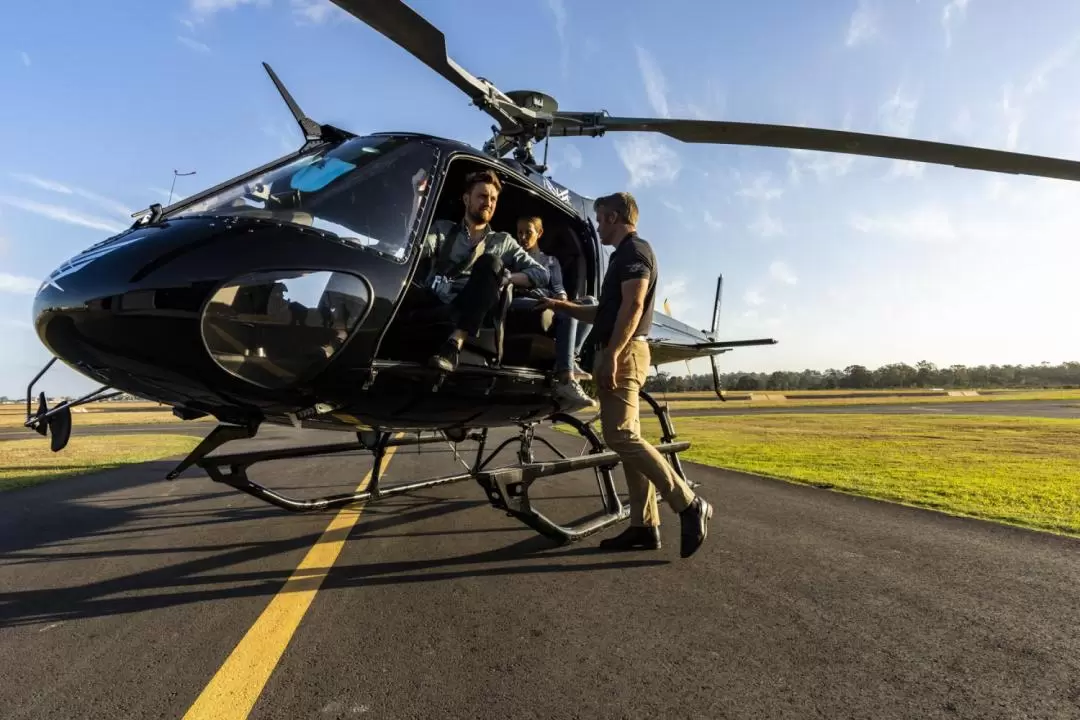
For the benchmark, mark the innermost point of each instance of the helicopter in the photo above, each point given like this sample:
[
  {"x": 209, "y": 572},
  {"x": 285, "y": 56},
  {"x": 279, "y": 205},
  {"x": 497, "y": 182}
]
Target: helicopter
[{"x": 286, "y": 295}]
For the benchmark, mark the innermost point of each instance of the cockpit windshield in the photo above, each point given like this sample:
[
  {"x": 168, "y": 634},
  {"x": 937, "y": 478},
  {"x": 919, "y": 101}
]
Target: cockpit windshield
[{"x": 366, "y": 190}]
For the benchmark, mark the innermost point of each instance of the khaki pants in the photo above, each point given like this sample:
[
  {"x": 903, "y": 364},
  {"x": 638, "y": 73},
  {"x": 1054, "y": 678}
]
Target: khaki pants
[{"x": 646, "y": 469}]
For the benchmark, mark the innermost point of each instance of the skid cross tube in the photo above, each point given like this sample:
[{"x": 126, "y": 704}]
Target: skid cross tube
[{"x": 238, "y": 465}]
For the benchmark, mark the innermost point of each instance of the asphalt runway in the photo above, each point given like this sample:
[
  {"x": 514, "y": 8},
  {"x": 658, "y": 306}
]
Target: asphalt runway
[
  {"x": 1027, "y": 408},
  {"x": 124, "y": 595}
]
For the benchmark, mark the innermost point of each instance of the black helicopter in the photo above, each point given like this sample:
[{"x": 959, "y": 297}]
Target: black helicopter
[{"x": 283, "y": 295}]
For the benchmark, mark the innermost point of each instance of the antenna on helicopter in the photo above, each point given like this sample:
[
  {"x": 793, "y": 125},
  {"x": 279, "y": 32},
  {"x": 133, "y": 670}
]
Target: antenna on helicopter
[
  {"x": 313, "y": 131},
  {"x": 176, "y": 174}
]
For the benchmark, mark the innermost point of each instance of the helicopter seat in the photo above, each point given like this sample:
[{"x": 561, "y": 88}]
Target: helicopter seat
[{"x": 530, "y": 340}]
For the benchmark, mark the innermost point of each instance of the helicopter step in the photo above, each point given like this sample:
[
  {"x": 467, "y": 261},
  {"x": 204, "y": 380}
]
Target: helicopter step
[{"x": 506, "y": 487}]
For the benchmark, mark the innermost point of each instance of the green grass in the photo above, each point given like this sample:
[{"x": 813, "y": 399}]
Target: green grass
[
  {"x": 28, "y": 462},
  {"x": 1022, "y": 471},
  {"x": 700, "y": 401}
]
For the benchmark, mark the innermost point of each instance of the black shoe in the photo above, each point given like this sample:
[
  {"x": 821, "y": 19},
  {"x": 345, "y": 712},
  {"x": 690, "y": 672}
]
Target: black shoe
[
  {"x": 634, "y": 538},
  {"x": 695, "y": 525},
  {"x": 447, "y": 357}
]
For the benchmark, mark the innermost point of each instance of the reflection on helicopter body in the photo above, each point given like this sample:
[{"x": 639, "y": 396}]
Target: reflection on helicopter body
[{"x": 274, "y": 328}]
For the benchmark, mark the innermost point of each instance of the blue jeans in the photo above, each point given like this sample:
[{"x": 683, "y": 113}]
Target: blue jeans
[{"x": 570, "y": 335}]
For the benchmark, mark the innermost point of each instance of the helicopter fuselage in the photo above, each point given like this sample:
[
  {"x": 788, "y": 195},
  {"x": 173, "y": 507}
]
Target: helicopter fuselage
[{"x": 214, "y": 307}]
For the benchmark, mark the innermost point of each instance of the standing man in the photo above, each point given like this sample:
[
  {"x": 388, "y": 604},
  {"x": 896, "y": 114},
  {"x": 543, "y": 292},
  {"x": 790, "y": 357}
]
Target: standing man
[{"x": 621, "y": 323}]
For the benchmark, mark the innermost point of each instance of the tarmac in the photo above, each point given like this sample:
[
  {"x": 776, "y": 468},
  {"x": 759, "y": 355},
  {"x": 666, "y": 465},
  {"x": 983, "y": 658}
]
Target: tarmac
[
  {"x": 1024, "y": 408},
  {"x": 125, "y": 595}
]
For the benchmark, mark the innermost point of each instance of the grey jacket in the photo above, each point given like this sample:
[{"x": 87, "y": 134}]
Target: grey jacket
[{"x": 499, "y": 244}]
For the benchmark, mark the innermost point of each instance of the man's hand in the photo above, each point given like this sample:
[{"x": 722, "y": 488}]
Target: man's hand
[
  {"x": 605, "y": 369},
  {"x": 550, "y": 303}
]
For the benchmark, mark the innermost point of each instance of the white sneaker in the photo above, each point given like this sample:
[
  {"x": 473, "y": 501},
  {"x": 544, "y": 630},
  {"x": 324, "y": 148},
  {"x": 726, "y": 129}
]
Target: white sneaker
[{"x": 572, "y": 397}]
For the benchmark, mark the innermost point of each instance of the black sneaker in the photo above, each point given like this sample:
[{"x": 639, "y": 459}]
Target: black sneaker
[
  {"x": 447, "y": 357},
  {"x": 695, "y": 525},
  {"x": 634, "y": 538}
]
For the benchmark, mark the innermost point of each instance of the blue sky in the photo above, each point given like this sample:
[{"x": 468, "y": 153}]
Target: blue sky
[{"x": 844, "y": 260}]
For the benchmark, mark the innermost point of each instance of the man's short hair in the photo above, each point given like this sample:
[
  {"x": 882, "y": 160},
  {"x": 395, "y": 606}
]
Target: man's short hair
[
  {"x": 482, "y": 176},
  {"x": 621, "y": 203}
]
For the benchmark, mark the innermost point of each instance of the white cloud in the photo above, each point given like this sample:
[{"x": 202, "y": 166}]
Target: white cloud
[
  {"x": 25, "y": 59},
  {"x": 18, "y": 284},
  {"x": 648, "y": 160},
  {"x": 824, "y": 166},
  {"x": 897, "y": 114},
  {"x": 760, "y": 189},
  {"x": 314, "y": 12},
  {"x": 863, "y": 24},
  {"x": 58, "y": 187},
  {"x": 1013, "y": 103},
  {"x": 925, "y": 224},
  {"x": 572, "y": 157},
  {"x": 206, "y": 8},
  {"x": 962, "y": 124},
  {"x": 558, "y": 12},
  {"x": 713, "y": 222},
  {"x": 193, "y": 44},
  {"x": 906, "y": 168},
  {"x": 1057, "y": 60},
  {"x": 16, "y": 324},
  {"x": 673, "y": 292},
  {"x": 953, "y": 9},
  {"x": 782, "y": 272},
  {"x": 712, "y": 105},
  {"x": 753, "y": 297},
  {"x": 61, "y": 214},
  {"x": 655, "y": 85},
  {"x": 767, "y": 226}
]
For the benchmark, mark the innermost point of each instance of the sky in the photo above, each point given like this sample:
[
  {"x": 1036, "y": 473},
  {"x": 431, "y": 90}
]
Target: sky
[{"x": 843, "y": 260}]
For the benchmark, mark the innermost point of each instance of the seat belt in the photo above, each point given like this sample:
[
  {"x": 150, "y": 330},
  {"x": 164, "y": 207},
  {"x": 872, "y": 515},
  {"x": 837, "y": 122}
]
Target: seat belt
[{"x": 465, "y": 263}]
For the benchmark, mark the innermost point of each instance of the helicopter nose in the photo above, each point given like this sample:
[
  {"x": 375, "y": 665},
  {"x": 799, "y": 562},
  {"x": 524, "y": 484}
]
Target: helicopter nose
[
  {"x": 94, "y": 314},
  {"x": 170, "y": 312}
]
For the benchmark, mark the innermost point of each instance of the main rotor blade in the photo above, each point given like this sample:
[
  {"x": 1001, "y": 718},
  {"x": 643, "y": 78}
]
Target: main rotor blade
[
  {"x": 837, "y": 141},
  {"x": 404, "y": 26}
]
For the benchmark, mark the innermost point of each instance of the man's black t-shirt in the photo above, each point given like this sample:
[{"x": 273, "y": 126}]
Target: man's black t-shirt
[{"x": 633, "y": 259}]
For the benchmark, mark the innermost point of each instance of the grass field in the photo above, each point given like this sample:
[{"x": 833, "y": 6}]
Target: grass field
[
  {"x": 1023, "y": 471},
  {"x": 27, "y": 462},
  {"x": 701, "y": 400},
  {"x": 114, "y": 413}
]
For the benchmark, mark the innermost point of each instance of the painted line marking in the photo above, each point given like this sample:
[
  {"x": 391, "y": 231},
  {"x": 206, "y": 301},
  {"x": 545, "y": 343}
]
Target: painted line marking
[{"x": 237, "y": 684}]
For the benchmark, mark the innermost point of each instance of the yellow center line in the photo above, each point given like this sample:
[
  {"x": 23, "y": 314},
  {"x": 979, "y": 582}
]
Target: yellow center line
[{"x": 237, "y": 684}]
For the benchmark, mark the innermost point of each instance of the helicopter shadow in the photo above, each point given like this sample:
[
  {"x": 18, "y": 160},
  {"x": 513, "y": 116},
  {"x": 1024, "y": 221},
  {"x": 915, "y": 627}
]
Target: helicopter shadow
[{"x": 207, "y": 577}]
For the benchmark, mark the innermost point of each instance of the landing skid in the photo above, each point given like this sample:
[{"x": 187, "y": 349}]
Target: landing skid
[{"x": 506, "y": 487}]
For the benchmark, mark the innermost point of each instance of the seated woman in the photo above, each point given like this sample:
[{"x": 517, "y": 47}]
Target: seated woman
[{"x": 570, "y": 333}]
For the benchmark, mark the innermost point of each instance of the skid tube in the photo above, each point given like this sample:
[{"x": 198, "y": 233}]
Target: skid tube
[{"x": 506, "y": 487}]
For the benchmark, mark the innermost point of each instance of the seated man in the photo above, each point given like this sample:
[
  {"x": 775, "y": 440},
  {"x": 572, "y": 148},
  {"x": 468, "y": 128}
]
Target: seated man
[
  {"x": 570, "y": 333},
  {"x": 472, "y": 263}
]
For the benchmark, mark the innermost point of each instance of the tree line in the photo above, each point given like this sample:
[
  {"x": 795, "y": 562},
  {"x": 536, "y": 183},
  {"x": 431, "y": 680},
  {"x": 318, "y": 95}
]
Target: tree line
[{"x": 923, "y": 374}]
